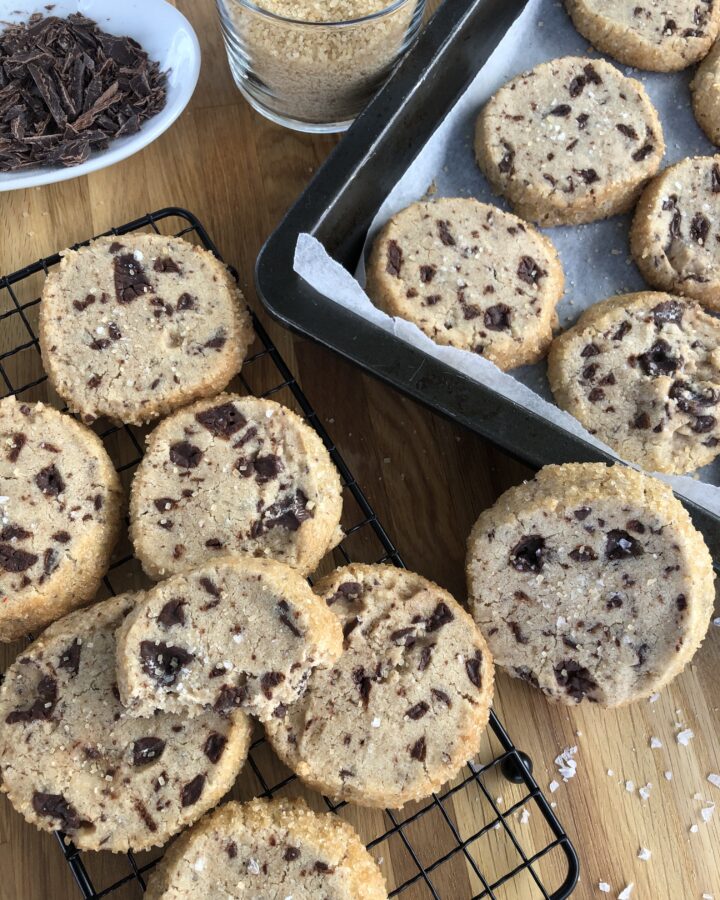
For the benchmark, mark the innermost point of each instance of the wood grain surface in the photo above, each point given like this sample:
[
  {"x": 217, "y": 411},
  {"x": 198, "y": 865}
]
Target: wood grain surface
[{"x": 428, "y": 480}]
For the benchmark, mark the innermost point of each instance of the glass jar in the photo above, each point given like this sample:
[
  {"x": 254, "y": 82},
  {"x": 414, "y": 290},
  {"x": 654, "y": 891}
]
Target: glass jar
[{"x": 310, "y": 74}]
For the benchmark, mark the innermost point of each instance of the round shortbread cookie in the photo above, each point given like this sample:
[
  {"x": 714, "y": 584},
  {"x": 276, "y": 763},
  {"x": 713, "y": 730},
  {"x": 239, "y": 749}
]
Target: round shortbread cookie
[
  {"x": 72, "y": 758},
  {"x": 675, "y": 235},
  {"x": 237, "y": 632},
  {"x": 571, "y": 141},
  {"x": 659, "y": 35},
  {"x": 234, "y": 475},
  {"x": 705, "y": 92},
  {"x": 469, "y": 275},
  {"x": 60, "y": 500},
  {"x": 271, "y": 849},
  {"x": 406, "y": 704},
  {"x": 642, "y": 372},
  {"x": 590, "y": 582},
  {"x": 135, "y": 326}
]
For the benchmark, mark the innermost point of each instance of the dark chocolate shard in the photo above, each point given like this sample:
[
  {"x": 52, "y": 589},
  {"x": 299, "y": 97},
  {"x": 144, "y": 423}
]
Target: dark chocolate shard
[
  {"x": 147, "y": 750},
  {"x": 222, "y": 421},
  {"x": 163, "y": 662}
]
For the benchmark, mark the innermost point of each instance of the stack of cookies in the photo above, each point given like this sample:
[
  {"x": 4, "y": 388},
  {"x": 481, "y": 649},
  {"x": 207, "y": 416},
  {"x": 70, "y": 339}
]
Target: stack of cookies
[
  {"x": 126, "y": 721},
  {"x": 573, "y": 141}
]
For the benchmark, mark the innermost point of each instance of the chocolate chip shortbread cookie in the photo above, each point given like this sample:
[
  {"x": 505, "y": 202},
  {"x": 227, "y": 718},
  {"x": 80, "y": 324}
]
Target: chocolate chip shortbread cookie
[
  {"x": 661, "y": 36},
  {"x": 590, "y": 583},
  {"x": 238, "y": 632},
  {"x": 60, "y": 501},
  {"x": 469, "y": 275},
  {"x": 271, "y": 849},
  {"x": 675, "y": 235},
  {"x": 234, "y": 475},
  {"x": 705, "y": 91},
  {"x": 573, "y": 140},
  {"x": 71, "y": 758},
  {"x": 642, "y": 372},
  {"x": 406, "y": 704},
  {"x": 135, "y": 326}
]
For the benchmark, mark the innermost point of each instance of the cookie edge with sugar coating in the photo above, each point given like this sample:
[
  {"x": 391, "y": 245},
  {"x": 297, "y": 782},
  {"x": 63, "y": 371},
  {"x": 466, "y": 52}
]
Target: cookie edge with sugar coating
[
  {"x": 328, "y": 474},
  {"x": 582, "y": 481},
  {"x": 470, "y": 741},
  {"x": 381, "y": 289},
  {"x": 631, "y": 49},
  {"x": 50, "y": 602},
  {"x": 705, "y": 94},
  {"x": 232, "y": 358},
  {"x": 367, "y": 880},
  {"x": 524, "y": 199}
]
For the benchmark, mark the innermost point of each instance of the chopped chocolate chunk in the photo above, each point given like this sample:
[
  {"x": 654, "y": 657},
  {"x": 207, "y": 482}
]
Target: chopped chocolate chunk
[
  {"x": 18, "y": 442},
  {"x": 232, "y": 850},
  {"x": 322, "y": 868},
  {"x": 622, "y": 330},
  {"x": 582, "y": 513},
  {"x": 473, "y": 667},
  {"x": 229, "y": 697},
  {"x": 440, "y": 616},
  {"x": 643, "y": 152},
  {"x": 142, "y": 811},
  {"x": 147, "y": 750},
  {"x": 51, "y": 560},
  {"x": 614, "y": 602},
  {"x": 699, "y": 228},
  {"x": 81, "y": 305},
  {"x": 658, "y": 360},
  {"x": 130, "y": 279},
  {"x": 681, "y": 602},
  {"x": 404, "y": 636},
  {"x": 563, "y": 110},
  {"x": 703, "y": 424},
  {"x": 269, "y": 681},
  {"x": 166, "y": 264},
  {"x": 185, "y": 455},
  {"x": 208, "y": 585},
  {"x": 529, "y": 554},
  {"x": 642, "y": 421},
  {"x": 508, "y": 158},
  {"x": 526, "y": 674},
  {"x": 418, "y": 750},
  {"x": 70, "y": 658},
  {"x": 163, "y": 662},
  {"x": 715, "y": 179},
  {"x": 222, "y": 421},
  {"x": 583, "y": 554},
  {"x": 291, "y": 854},
  {"x": 288, "y": 512},
  {"x": 529, "y": 271},
  {"x": 425, "y": 655},
  {"x": 444, "y": 233},
  {"x": 589, "y": 350},
  {"x": 286, "y": 620},
  {"x": 691, "y": 399},
  {"x": 497, "y": 318},
  {"x": 55, "y": 806},
  {"x": 576, "y": 679},
  {"x": 50, "y": 481},
  {"x": 589, "y": 176},
  {"x": 441, "y": 697},
  {"x": 394, "y": 259},
  {"x": 628, "y": 131},
  {"x": 13, "y": 559},
  {"x": 214, "y": 747},
  {"x": 577, "y": 85},
  {"x": 191, "y": 791},
  {"x": 186, "y": 301},
  {"x": 621, "y": 545},
  {"x": 42, "y": 707},
  {"x": 582, "y": 121},
  {"x": 418, "y": 711},
  {"x": 218, "y": 341},
  {"x": 427, "y": 273},
  {"x": 172, "y": 613},
  {"x": 364, "y": 684},
  {"x": 349, "y": 591},
  {"x": 518, "y": 632},
  {"x": 596, "y": 394}
]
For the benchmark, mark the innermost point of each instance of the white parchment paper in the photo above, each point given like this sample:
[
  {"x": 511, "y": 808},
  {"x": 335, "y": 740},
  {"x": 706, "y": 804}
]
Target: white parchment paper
[{"x": 595, "y": 257}]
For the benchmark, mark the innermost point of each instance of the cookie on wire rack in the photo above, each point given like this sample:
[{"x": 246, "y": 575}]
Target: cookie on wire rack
[
  {"x": 591, "y": 583},
  {"x": 571, "y": 141},
  {"x": 275, "y": 849},
  {"x": 60, "y": 501},
  {"x": 135, "y": 326},
  {"x": 72, "y": 758}
]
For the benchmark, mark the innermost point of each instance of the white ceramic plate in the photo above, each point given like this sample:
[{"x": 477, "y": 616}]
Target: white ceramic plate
[{"x": 164, "y": 34}]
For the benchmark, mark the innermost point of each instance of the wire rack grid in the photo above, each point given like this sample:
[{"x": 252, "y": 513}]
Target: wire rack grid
[{"x": 456, "y": 856}]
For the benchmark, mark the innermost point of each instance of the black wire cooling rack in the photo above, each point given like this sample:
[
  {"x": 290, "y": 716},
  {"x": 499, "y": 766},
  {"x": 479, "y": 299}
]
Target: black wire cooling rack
[{"x": 466, "y": 842}]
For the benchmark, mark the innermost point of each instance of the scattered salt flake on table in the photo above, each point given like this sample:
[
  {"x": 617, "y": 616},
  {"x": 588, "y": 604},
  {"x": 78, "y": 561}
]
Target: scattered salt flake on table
[
  {"x": 716, "y": 621},
  {"x": 525, "y": 817},
  {"x": 655, "y": 743},
  {"x": 714, "y": 779},
  {"x": 644, "y": 854},
  {"x": 707, "y": 897},
  {"x": 668, "y": 776},
  {"x": 629, "y": 787},
  {"x": 625, "y": 892},
  {"x": 604, "y": 887},
  {"x": 645, "y": 791},
  {"x": 707, "y": 812},
  {"x": 653, "y": 698},
  {"x": 553, "y": 786},
  {"x": 694, "y": 829},
  {"x": 610, "y": 773},
  {"x": 566, "y": 763},
  {"x": 684, "y": 737}
]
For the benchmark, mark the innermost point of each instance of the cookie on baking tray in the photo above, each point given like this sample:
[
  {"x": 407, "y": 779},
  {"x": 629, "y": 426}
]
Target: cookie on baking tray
[
  {"x": 238, "y": 632},
  {"x": 640, "y": 371},
  {"x": 234, "y": 475},
  {"x": 60, "y": 500},
  {"x": 590, "y": 583},
  {"x": 71, "y": 757},
  {"x": 705, "y": 93},
  {"x": 571, "y": 141},
  {"x": 469, "y": 275},
  {"x": 406, "y": 704},
  {"x": 661, "y": 37},
  {"x": 675, "y": 235},
  {"x": 132, "y": 327},
  {"x": 275, "y": 849}
]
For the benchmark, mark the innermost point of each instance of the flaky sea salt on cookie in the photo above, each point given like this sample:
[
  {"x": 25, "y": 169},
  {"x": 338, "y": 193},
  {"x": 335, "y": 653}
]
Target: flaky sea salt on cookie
[
  {"x": 132, "y": 327},
  {"x": 60, "y": 500},
  {"x": 236, "y": 633},
  {"x": 72, "y": 758},
  {"x": 662, "y": 37},
  {"x": 642, "y": 372},
  {"x": 675, "y": 235},
  {"x": 234, "y": 475},
  {"x": 571, "y": 141},
  {"x": 277, "y": 849},
  {"x": 406, "y": 704},
  {"x": 469, "y": 275},
  {"x": 590, "y": 583}
]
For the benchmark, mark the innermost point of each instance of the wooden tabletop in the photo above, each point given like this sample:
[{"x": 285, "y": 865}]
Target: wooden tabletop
[{"x": 428, "y": 480}]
